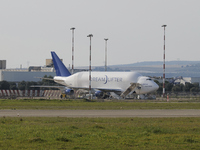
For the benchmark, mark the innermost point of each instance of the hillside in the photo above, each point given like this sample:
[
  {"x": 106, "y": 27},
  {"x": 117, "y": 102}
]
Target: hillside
[
  {"x": 155, "y": 68},
  {"x": 158, "y": 63}
]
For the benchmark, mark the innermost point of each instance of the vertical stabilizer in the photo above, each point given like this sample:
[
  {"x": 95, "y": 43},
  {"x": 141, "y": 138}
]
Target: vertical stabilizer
[{"x": 60, "y": 68}]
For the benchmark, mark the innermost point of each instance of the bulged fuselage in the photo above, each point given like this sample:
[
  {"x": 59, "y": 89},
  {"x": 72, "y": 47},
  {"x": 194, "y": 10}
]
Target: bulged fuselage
[{"x": 109, "y": 81}]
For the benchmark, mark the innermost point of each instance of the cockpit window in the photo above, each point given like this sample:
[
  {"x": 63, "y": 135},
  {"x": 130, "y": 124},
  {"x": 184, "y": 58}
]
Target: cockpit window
[{"x": 149, "y": 79}]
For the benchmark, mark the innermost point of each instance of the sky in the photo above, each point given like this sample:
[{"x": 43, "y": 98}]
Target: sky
[{"x": 31, "y": 29}]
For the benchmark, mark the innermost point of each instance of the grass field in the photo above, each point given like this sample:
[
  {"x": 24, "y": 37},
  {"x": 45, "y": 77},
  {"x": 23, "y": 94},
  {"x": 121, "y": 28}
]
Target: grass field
[
  {"x": 100, "y": 133},
  {"x": 84, "y": 104}
]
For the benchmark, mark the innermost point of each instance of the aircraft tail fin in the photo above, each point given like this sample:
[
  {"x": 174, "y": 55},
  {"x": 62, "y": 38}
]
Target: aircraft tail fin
[{"x": 60, "y": 68}]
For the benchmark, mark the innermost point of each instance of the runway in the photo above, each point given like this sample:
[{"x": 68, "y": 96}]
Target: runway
[{"x": 143, "y": 113}]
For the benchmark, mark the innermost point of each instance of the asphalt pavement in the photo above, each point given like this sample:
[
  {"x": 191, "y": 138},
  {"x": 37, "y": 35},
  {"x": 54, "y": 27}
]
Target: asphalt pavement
[{"x": 144, "y": 113}]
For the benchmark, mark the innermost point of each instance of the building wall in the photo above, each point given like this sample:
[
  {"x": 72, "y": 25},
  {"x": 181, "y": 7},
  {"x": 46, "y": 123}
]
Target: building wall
[
  {"x": 14, "y": 75},
  {"x": 188, "y": 80},
  {"x": 2, "y": 64},
  {"x": 18, "y": 76},
  {"x": 49, "y": 62}
]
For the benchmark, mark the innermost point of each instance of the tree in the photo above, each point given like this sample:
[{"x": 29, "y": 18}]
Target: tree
[
  {"x": 13, "y": 86},
  {"x": 4, "y": 85},
  {"x": 22, "y": 85},
  {"x": 178, "y": 88},
  {"x": 48, "y": 82},
  {"x": 187, "y": 87},
  {"x": 29, "y": 84},
  {"x": 159, "y": 91},
  {"x": 196, "y": 85},
  {"x": 194, "y": 89},
  {"x": 168, "y": 86}
]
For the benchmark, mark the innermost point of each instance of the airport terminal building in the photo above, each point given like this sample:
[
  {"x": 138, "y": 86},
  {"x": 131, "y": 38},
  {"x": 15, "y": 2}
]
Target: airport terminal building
[
  {"x": 32, "y": 73},
  {"x": 18, "y": 75}
]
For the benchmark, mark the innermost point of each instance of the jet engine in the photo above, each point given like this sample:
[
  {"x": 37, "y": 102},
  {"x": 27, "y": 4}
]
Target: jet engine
[
  {"x": 101, "y": 95},
  {"x": 69, "y": 92}
]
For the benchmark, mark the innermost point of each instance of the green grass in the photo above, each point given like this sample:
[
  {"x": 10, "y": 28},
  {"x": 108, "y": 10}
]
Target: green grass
[
  {"x": 99, "y": 133},
  {"x": 83, "y": 104}
]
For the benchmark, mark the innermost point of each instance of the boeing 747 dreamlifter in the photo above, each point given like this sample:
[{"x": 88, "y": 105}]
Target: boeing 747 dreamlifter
[{"x": 121, "y": 83}]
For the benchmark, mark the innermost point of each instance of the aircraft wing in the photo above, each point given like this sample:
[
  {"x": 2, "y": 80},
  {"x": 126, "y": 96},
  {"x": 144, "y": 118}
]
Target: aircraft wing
[
  {"x": 48, "y": 86},
  {"x": 109, "y": 90},
  {"x": 101, "y": 89}
]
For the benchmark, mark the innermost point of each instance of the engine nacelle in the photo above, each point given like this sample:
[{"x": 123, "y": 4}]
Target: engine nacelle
[
  {"x": 69, "y": 92},
  {"x": 99, "y": 94}
]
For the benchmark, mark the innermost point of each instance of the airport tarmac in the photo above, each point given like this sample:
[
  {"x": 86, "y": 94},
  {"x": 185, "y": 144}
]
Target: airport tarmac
[{"x": 143, "y": 113}]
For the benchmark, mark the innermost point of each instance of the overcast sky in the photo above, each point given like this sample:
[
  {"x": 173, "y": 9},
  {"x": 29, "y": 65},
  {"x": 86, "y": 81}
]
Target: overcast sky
[{"x": 30, "y": 29}]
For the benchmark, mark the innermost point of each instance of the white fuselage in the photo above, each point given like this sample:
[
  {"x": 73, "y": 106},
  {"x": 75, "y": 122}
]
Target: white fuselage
[{"x": 109, "y": 81}]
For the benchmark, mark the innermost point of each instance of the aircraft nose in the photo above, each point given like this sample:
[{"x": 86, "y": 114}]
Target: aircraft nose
[{"x": 155, "y": 86}]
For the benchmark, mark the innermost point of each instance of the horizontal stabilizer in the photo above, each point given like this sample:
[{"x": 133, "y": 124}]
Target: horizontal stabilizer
[
  {"x": 60, "y": 68},
  {"x": 48, "y": 86},
  {"x": 45, "y": 78}
]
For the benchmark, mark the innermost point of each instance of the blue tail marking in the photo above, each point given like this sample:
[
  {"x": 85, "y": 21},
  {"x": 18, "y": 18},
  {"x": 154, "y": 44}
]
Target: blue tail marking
[{"x": 60, "y": 68}]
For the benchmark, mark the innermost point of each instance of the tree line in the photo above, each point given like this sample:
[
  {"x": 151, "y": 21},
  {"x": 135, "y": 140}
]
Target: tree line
[{"x": 176, "y": 88}]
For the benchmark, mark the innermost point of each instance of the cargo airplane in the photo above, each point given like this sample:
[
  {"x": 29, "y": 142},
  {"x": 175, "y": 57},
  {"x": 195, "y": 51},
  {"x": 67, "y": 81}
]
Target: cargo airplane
[{"x": 119, "y": 83}]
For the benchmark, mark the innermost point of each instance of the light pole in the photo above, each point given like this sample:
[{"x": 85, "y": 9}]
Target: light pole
[
  {"x": 164, "y": 63},
  {"x": 106, "y": 54},
  {"x": 72, "y": 49},
  {"x": 90, "y": 36}
]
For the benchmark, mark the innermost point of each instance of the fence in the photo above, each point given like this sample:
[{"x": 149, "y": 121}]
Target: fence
[{"x": 30, "y": 93}]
